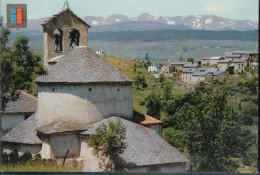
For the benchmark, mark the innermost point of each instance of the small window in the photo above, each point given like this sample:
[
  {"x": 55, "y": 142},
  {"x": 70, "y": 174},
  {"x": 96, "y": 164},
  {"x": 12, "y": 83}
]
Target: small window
[
  {"x": 89, "y": 89},
  {"x": 118, "y": 89},
  {"x": 53, "y": 89}
]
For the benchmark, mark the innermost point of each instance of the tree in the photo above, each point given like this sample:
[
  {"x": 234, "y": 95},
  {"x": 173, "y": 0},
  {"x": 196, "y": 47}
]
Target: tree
[
  {"x": 205, "y": 124},
  {"x": 181, "y": 58},
  {"x": 107, "y": 143},
  {"x": 167, "y": 90},
  {"x": 146, "y": 56},
  {"x": 190, "y": 60},
  {"x": 153, "y": 105},
  {"x": 161, "y": 79},
  {"x": 140, "y": 81},
  {"x": 19, "y": 67}
]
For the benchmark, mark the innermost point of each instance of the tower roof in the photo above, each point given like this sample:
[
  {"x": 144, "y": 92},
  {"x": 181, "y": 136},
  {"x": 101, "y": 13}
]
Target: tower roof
[
  {"x": 64, "y": 12},
  {"x": 82, "y": 65}
]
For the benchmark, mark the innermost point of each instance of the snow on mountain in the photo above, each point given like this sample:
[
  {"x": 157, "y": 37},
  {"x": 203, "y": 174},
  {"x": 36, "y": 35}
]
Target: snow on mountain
[{"x": 203, "y": 22}]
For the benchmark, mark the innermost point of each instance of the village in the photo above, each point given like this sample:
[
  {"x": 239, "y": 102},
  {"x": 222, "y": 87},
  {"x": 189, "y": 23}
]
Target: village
[{"x": 192, "y": 72}]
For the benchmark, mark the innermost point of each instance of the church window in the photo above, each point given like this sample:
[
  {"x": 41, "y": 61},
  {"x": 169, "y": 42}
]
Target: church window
[
  {"x": 74, "y": 38},
  {"x": 58, "y": 34}
]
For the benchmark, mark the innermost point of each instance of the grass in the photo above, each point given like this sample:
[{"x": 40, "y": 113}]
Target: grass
[{"x": 37, "y": 167}]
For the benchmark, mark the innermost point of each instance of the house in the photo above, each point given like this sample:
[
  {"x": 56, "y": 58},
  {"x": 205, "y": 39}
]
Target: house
[
  {"x": 80, "y": 92},
  {"x": 254, "y": 65},
  {"x": 18, "y": 111},
  {"x": 210, "y": 61},
  {"x": 199, "y": 76},
  {"x": 167, "y": 69},
  {"x": 233, "y": 57},
  {"x": 186, "y": 76},
  {"x": 223, "y": 64},
  {"x": 154, "y": 68},
  {"x": 218, "y": 75},
  {"x": 177, "y": 66},
  {"x": 189, "y": 66},
  {"x": 100, "y": 52},
  {"x": 239, "y": 65}
]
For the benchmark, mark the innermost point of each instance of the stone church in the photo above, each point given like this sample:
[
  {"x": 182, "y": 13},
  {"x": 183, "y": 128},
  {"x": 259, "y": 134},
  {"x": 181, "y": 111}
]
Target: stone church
[{"x": 80, "y": 92}]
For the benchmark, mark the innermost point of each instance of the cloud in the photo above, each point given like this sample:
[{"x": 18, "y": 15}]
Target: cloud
[{"x": 219, "y": 6}]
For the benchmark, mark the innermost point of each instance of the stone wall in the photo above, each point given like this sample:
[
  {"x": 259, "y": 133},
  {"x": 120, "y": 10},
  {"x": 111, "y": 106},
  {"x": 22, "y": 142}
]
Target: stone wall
[{"x": 83, "y": 103}]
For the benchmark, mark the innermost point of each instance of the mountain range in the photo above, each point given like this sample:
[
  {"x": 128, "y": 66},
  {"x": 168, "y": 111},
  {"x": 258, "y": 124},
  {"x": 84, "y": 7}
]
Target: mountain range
[{"x": 145, "y": 21}]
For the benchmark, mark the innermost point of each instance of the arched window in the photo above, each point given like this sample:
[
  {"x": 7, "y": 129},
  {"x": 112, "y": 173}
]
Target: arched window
[
  {"x": 58, "y": 34},
  {"x": 74, "y": 38}
]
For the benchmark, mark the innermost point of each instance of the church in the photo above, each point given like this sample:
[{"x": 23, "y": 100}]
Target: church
[{"x": 81, "y": 91}]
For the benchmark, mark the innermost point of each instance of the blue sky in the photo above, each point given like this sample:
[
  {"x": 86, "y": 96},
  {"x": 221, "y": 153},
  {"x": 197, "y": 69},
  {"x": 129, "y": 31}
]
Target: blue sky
[{"x": 234, "y": 9}]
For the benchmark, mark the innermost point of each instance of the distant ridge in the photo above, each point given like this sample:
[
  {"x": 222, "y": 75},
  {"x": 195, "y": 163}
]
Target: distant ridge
[{"x": 145, "y": 21}]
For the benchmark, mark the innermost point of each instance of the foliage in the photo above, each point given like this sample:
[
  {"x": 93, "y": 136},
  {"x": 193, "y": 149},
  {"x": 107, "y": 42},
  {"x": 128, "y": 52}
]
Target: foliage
[
  {"x": 140, "y": 81},
  {"x": 19, "y": 67},
  {"x": 252, "y": 84},
  {"x": 230, "y": 70},
  {"x": 190, "y": 60},
  {"x": 161, "y": 79},
  {"x": 167, "y": 91},
  {"x": 209, "y": 128},
  {"x": 108, "y": 143},
  {"x": 153, "y": 105}
]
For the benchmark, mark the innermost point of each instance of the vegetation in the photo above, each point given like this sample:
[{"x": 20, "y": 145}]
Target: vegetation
[
  {"x": 237, "y": 102},
  {"x": 19, "y": 67},
  {"x": 108, "y": 143}
]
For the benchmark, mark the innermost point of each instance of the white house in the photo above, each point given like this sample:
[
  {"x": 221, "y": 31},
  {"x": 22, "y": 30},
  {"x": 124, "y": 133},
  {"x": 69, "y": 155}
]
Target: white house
[
  {"x": 239, "y": 65},
  {"x": 100, "y": 52},
  {"x": 18, "y": 111},
  {"x": 223, "y": 64},
  {"x": 154, "y": 68}
]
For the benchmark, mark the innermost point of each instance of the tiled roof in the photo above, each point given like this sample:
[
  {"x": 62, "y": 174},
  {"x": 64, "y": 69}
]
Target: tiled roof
[
  {"x": 145, "y": 119},
  {"x": 24, "y": 132},
  {"x": 25, "y": 103},
  {"x": 82, "y": 65},
  {"x": 144, "y": 146},
  {"x": 61, "y": 126},
  {"x": 52, "y": 18}
]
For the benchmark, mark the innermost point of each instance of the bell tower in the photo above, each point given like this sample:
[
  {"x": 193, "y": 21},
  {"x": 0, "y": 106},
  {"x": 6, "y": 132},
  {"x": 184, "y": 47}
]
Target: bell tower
[{"x": 61, "y": 33}]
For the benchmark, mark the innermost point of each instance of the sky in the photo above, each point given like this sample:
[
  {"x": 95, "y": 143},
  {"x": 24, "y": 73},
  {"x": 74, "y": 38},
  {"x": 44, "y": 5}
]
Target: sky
[{"x": 233, "y": 9}]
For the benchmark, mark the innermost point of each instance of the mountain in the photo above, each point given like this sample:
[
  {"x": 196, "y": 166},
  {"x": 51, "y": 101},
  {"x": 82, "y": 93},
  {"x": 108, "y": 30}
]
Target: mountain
[{"x": 145, "y": 21}]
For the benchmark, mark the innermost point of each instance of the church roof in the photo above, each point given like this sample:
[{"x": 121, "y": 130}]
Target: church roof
[
  {"x": 145, "y": 119},
  {"x": 66, "y": 11},
  {"x": 24, "y": 132},
  {"x": 82, "y": 65},
  {"x": 24, "y": 103},
  {"x": 61, "y": 126},
  {"x": 144, "y": 146}
]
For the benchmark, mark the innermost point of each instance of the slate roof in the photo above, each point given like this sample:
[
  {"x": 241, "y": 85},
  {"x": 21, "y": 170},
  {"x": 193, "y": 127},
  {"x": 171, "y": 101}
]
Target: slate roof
[
  {"x": 144, "y": 119},
  {"x": 25, "y": 103},
  {"x": 82, "y": 65},
  {"x": 233, "y": 56},
  {"x": 217, "y": 73},
  {"x": 61, "y": 126},
  {"x": 52, "y": 18},
  {"x": 223, "y": 61},
  {"x": 144, "y": 146},
  {"x": 209, "y": 69},
  {"x": 200, "y": 73},
  {"x": 188, "y": 71},
  {"x": 190, "y": 65},
  {"x": 24, "y": 132},
  {"x": 239, "y": 61},
  {"x": 178, "y": 63}
]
